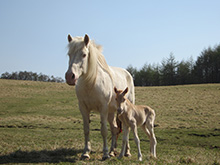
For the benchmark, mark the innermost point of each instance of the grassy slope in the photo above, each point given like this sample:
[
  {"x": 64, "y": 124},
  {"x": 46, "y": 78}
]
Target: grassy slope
[{"x": 40, "y": 123}]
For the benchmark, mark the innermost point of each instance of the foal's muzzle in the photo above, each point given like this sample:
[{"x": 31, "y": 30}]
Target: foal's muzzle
[{"x": 119, "y": 111}]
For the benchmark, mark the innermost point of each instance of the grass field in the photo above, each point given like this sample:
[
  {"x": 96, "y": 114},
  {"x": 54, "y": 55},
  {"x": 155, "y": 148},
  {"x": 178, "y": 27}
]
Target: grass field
[{"x": 40, "y": 123}]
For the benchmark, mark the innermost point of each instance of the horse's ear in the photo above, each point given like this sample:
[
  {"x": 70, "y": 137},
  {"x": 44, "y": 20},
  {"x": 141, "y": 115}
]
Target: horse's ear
[
  {"x": 125, "y": 91},
  {"x": 69, "y": 38},
  {"x": 86, "y": 39},
  {"x": 115, "y": 89}
]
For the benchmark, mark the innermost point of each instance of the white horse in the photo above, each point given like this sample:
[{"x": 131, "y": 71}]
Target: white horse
[{"x": 95, "y": 82}]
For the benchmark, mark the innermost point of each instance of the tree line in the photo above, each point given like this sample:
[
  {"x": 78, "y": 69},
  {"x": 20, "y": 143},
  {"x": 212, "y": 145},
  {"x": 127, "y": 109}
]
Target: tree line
[
  {"x": 24, "y": 75},
  {"x": 206, "y": 69}
]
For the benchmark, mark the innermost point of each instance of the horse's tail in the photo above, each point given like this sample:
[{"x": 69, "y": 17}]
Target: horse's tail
[{"x": 119, "y": 125}]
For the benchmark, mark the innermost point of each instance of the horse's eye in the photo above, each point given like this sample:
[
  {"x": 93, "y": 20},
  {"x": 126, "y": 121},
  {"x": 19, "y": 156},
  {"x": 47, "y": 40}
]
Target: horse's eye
[{"x": 84, "y": 55}]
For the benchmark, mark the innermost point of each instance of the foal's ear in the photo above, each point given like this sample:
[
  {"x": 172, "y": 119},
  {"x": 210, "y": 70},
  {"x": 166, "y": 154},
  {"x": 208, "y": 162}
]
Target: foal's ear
[
  {"x": 86, "y": 39},
  {"x": 125, "y": 91},
  {"x": 115, "y": 89},
  {"x": 69, "y": 38}
]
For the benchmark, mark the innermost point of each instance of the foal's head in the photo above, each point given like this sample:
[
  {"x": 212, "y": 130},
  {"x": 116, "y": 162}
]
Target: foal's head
[{"x": 120, "y": 99}]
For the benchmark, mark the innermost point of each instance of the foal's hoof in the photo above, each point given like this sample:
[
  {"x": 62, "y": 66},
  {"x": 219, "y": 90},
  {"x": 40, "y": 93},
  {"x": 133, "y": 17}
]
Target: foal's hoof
[
  {"x": 105, "y": 157},
  {"x": 85, "y": 156},
  {"x": 112, "y": 154},
  {"x": 153, "y": 157},
  {"x": 140, "y": 159}
]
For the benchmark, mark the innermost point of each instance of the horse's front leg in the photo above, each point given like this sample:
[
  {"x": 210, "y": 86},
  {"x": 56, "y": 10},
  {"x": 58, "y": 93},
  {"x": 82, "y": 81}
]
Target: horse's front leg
[
  {"x": 87, "y": 148},
  {"x": 104, "y": 132}
]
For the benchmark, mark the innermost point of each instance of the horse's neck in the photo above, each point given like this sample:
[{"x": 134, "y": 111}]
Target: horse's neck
[
  {"x": 86, "y": 84},
  {"x": 99, "y": 93},
  {"x": 101, "y": 79},
  {"x": 96, "y": 63},
  {"x": 101, "y": 62}
]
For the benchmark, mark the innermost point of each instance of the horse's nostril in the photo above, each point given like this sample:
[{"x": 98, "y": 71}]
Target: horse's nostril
[{"x": 73, "y": 76}]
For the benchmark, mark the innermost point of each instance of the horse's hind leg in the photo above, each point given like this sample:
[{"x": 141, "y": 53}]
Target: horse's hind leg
[{"x": 104, "y": 132}]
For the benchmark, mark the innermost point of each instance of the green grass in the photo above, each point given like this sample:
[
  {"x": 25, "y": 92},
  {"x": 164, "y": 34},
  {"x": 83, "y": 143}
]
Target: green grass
[{"x": 40, "y": 123}]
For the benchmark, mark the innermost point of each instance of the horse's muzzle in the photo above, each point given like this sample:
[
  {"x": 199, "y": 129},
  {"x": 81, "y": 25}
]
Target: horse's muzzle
[{"x": 71, "y": 78}]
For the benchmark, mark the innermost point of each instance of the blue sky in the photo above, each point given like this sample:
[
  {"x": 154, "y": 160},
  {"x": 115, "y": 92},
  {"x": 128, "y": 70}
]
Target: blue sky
[{"x": 33, "y": 33}]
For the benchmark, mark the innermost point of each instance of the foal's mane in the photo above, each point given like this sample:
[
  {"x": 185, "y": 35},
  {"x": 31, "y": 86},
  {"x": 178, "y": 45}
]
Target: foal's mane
[{"x": 96, "y": 59}]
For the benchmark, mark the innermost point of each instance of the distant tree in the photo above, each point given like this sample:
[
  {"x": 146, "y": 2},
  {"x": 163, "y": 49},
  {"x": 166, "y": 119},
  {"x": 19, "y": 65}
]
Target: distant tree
[
  {"x": 148, "y": 75},
  {"x": 14, "y": 75},
  {"x": 206, "y": 69},
  {"x": 53, "y": 79},
  {"x": 207, "y": 66},
  {"x": 168, "y": 71},
  {"x": 156, "y": 76},
  {"x": 59, "y": 80},
  {"x": 5, "y": 75},
  {"x": 183, "y": 73},
  {"x": 30, "y": 76},
  {"x": 34, "y": 77},
  {"x": 132, "y": 71},
  {"x": 142, "y": 77}
]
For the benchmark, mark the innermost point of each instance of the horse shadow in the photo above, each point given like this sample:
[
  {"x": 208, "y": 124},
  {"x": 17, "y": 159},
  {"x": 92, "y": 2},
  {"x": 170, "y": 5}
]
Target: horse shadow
[{"x": 44, "y": 156}]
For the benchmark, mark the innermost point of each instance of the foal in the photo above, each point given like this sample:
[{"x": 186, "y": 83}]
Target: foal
[{"x": 132, "y": 116}]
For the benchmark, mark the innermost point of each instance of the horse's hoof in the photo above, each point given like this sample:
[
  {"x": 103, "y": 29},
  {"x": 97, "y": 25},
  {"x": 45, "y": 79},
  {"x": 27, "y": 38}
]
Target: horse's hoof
[
  {"x": 85, "y": 156},
  {"x": 140, "y": 159},
  {"x": 105, "y": 157},
  {"x": 128, "y": 154},
  {"x": 119, "y": 157}
]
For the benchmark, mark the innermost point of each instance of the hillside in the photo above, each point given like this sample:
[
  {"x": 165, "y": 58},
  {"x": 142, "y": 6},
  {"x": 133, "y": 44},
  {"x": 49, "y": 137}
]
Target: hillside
[{"x": 40, "y": 123}]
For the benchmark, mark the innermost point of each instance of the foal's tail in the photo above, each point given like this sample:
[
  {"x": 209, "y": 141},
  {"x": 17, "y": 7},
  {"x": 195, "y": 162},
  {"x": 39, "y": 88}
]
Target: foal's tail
[{"x": 151, "y": 116}]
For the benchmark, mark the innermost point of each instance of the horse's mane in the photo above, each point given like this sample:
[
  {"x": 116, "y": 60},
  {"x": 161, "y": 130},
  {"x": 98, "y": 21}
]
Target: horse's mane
[{"x": 95, "y": 58}]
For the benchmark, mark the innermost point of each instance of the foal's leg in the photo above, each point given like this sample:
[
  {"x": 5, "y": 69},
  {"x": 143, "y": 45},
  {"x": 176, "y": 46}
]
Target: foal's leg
[
  {"x": 127, "y": 149},
  {"x": 114, "y": 131},
  {"x": 85, "y": 116},
  {"x": 124, "y": 141},
  {"x": 144, "y": 127},
  {"x": 153, "y": 141},
  {"x": 104, "y": 132},
  {"x": 137, "y": 140}
]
